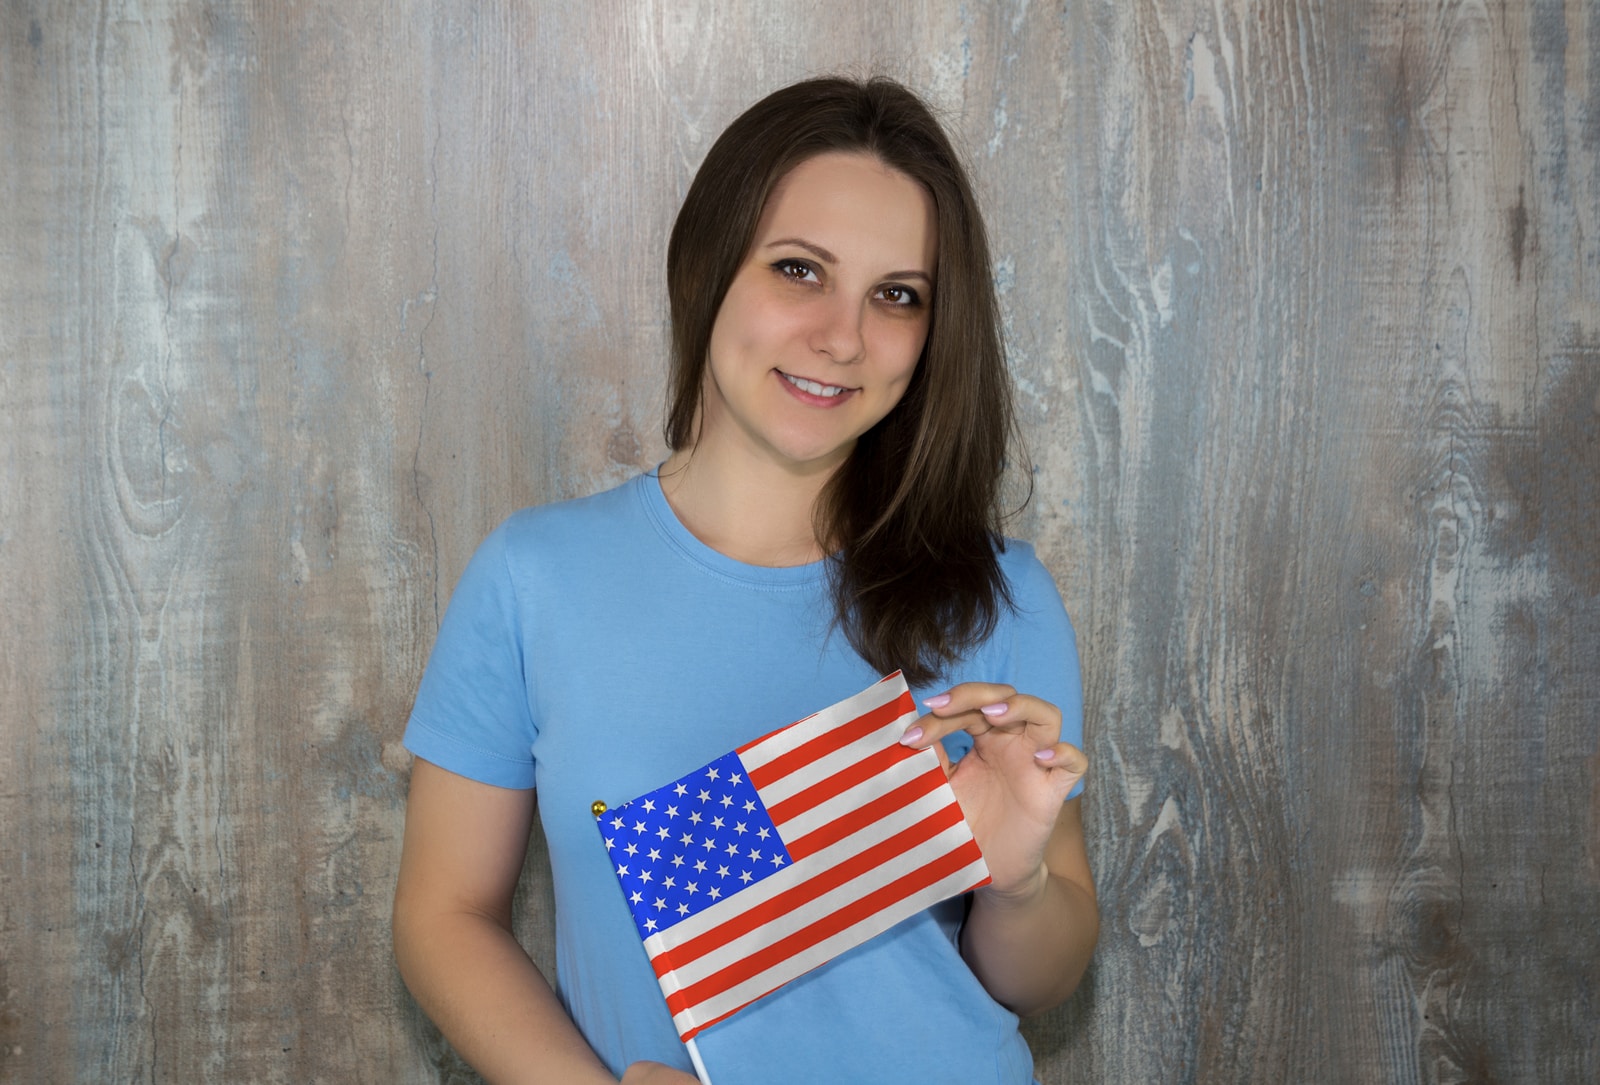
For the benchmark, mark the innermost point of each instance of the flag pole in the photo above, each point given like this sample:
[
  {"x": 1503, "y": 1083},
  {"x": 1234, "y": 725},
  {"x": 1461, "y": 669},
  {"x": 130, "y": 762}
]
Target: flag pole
[{"x": 699, "y": 1067}]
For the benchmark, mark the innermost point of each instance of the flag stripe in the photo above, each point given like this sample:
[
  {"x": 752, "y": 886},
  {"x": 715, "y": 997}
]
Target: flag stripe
[
  {"x": 802, "y": 917},
  {"x": 832, "y": 740},
  {"x": 801, "y": 825},
  {"x": 812, "y": 887},
  {"x": 924, "y": 783},
  {"x": 847, "y": 777},
  {"x": 719, "y": 1006},
  {"x": 885, "y": 737},
  {"x": 865, "y": 908},
  {"x": 775, "y": 743}
]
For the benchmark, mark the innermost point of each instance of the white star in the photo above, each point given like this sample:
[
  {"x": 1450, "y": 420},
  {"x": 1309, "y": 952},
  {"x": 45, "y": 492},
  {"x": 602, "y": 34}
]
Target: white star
[
  {"x": 672, "y": 811},
  {"x": 755, "y": 856},
  {"x": 660, "y": 904},
  {"x": 632, "y": 849},
  {"x": 699, "y": 866},
  {"x": 669, "y": 882},
  {"x": 712, "y": 773},
  {"x": 635, "y": 897},
  {"x": 638, "y": 826},
  {"x": 705, "y": 796},
  {"x": 709, "y": 843},
  {"x": 733, "y": 849},
  {"x": 622, "y": 871},
  {"x": 763, "y": 833},
  {"x": 649, "y": 805},
  {"x": 716, "y": 823},
  {"x": 654, "y": 855},
  {"x": 694, "y": 817},
  {"x": 722, "y": 871},
  {"x": 744, "y": 876},
  {"x": 777, "y": 859},
  {"x": 738, "y": 827},
  {"x": 735, "y": 778},
  {"x": 683, "y": 909},
  {"x": 749, "y": 807},
  {"x": 661, "y": 833},
  {"x": 715, "y": 893},
  {"x": 649, "y": 924},
  {"x": 693, "y": 887},
  {"x": 686, "y": 839},
  {"x": 616, "y": 823},
  {"x": 644, "y": 875},
  {"x": 610, "y": 843},
  {"x": 679, "y": 790},
  {"x": 677, "y": 860},
  {"x": 727, "y": 801}
]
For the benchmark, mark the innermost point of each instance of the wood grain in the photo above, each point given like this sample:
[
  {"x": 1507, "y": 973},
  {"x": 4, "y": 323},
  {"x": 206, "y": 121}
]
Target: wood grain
[{"x": 298, "y": 301}]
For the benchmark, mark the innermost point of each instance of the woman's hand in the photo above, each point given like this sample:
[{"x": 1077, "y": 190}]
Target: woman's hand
[
  {"x": 1011, "y": 786},
  {"x": 656, "y": 1073}
]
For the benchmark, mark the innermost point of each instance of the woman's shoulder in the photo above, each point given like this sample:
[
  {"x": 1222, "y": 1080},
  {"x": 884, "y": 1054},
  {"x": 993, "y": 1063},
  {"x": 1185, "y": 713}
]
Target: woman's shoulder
[
  {"x": 1024, "y": 571},
  {"x": 573, "y": 520}
]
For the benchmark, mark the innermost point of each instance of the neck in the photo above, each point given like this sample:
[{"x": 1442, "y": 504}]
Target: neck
[{"x": 759, "y": 514}]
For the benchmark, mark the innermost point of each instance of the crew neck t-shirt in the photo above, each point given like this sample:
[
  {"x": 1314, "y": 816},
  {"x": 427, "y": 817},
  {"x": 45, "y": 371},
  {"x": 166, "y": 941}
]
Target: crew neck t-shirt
[{"x": 596, "y": 649}]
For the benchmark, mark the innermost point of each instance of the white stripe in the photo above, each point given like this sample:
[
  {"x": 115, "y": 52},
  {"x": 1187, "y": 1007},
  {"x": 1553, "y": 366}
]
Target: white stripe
[
  {"x": 854, "y": 798},
  {"x": 840, "y": 851},
  {"x": 875, "y": 924},
  {"x": 844, "y": 757},
  {"x": 797, "y": 734},
  {"x": 841, "y": 897}
]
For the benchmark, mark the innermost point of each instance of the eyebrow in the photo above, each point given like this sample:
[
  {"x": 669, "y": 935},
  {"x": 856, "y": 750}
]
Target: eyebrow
[{"x": 827, "y": 257}]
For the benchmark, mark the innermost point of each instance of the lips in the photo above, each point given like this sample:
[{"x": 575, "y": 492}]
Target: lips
[{"x": 815, "y": 388}]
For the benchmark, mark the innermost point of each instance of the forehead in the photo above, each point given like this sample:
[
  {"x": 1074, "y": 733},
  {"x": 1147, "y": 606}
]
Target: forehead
[{"x": 854, "y": 205}]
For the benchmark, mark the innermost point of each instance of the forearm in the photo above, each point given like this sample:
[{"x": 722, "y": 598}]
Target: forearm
[
  {"x": 1030, "y": 950},
  {"x": 477, "y": 985}
]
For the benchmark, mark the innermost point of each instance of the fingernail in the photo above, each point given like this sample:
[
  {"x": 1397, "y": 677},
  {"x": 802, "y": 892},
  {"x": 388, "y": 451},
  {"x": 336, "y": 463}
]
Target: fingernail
[
  {"x": 1046, "y": 754},
  {"x": 994, "y": 709},
  {"x": 912, "y": 735},
  {"x": 938, "y": 702}
]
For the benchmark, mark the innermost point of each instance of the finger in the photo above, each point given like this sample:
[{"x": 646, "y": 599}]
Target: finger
[
  {"x": 1066, "y": 761},
  {"x": 968, "y": 697},
  {"x": 1016, "y": 714}
]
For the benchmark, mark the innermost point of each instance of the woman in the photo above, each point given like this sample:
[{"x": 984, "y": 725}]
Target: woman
[{"x": 829, "y": 513}]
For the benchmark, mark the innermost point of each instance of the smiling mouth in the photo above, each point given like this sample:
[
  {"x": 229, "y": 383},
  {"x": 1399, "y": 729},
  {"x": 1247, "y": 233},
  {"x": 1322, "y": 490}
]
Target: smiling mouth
[{"x": 816, "y": 388}]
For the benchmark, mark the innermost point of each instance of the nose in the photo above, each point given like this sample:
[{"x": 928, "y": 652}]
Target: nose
[{"x": 838, "y": 332}]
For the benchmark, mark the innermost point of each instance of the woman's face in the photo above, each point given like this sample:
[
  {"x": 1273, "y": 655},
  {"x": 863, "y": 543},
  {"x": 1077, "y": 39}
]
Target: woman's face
[{"x": 821, "y": 329}]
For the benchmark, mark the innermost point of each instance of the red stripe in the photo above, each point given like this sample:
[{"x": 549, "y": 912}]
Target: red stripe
[
  {"x": 829, "y": 925},
  {"x": 876, "y": 810},
  {"x": 795, "y": 896},
  {"x": 834, "y": 738},
  {"x": 841, "y": 781}
]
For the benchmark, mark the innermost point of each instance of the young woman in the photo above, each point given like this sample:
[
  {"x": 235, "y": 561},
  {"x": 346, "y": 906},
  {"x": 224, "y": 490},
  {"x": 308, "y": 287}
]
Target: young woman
[{"x": 829, "y": 513}]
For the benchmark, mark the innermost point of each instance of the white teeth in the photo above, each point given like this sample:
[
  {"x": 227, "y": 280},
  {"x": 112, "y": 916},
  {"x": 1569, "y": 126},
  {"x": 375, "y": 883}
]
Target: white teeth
[{"x": 826, "y": 390}]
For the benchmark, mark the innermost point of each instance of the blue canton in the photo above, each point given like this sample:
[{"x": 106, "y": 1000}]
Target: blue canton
[{"x": 681, "y": 848}]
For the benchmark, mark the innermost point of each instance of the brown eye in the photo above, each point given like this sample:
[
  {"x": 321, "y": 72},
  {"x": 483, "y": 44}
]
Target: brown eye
[
  {"x": 899, "y": 295},
  {"x": 798, "y": 270}
]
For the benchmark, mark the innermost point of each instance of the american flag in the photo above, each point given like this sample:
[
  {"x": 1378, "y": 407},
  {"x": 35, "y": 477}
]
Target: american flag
[{"x": 777, "y": 857}]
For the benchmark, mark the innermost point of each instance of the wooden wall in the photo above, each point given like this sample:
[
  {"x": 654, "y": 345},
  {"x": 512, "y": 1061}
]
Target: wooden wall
[{"x": 297, "y": 300}]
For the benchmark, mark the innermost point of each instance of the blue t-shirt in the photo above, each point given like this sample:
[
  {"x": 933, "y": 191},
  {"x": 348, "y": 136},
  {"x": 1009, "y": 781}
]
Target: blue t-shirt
[{"x": 596, "y": 649}]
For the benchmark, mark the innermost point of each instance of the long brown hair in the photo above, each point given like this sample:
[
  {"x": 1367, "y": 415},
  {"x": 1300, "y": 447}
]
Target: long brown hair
[{"x": 915, "y": 511}]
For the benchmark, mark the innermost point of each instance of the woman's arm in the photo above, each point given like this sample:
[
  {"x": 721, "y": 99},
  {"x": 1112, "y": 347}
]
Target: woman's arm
[
  {"x": 1030, "y": 949},
  {"x": 464, "y": 845},
  {"x": 1032, "y": 930}
]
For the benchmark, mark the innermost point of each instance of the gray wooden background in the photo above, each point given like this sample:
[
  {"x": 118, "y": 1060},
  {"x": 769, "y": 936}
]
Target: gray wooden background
[{"x": 297, "y": 300}]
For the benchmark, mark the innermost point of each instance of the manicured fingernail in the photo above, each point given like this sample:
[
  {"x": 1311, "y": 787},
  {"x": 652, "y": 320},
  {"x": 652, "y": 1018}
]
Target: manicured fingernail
[
  {"x": 912, "y": 735},
  {"x": 994, "y": 709},
  {"x": 1046, "y": 754},
  {"x": 938, "y": 702}
]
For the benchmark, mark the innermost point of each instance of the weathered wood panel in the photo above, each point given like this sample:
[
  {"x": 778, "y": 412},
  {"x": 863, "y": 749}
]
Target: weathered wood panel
[{"x": 297, "y": 301}]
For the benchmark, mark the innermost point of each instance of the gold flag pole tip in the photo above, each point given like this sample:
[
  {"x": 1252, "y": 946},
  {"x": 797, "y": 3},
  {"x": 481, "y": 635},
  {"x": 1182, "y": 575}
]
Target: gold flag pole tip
[{"x": 597, "y": 808}]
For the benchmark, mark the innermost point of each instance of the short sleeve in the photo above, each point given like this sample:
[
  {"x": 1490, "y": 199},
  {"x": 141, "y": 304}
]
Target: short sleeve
[{"x": 472, "y": 713}]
